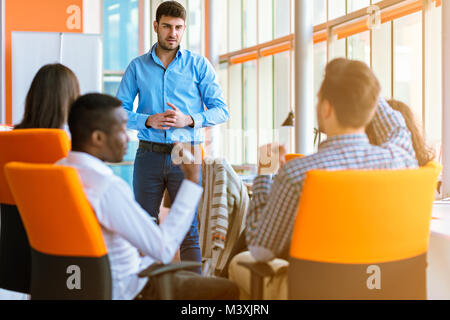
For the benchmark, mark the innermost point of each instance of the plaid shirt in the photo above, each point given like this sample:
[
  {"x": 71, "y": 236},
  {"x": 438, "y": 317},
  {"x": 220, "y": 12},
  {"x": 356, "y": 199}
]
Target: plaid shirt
[{"x": 274, "y": 203}]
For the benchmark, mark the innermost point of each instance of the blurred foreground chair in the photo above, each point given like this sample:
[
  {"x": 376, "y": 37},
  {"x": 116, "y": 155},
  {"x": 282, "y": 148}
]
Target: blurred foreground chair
[
  {"x": 69, "y": 256},
  {"x": 360, "y": 235},
  {"x": 292, "y": 156},
  {"x": 35, "y": 146}
]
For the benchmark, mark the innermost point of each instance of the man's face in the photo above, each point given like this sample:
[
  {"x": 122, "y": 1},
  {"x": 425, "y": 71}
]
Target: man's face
[
  {"x": 170, "y": 32},
  {"x": 117, "y": 139}
]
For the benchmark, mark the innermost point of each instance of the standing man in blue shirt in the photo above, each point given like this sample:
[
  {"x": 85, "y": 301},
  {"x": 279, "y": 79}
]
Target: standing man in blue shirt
[{"x": 178, "y": 96}]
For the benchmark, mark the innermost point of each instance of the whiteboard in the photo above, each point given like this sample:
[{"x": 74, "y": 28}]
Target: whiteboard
[{"x": 82, "y": 53}]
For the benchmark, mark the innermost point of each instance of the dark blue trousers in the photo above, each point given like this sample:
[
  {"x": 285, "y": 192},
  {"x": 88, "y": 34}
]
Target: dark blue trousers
[{"x": 153, "y": 173}]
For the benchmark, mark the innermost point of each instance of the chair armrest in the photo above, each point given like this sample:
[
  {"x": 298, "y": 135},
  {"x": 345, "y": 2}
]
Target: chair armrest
[
  {"x": 258, "y": 271},
  {"x": 157, "y": 269},
  {"x": 161, "y": 275}
]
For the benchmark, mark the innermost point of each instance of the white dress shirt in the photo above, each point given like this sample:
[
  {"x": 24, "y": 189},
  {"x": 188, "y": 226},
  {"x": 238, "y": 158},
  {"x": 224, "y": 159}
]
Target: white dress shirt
[{"x": 127, "y": 228}]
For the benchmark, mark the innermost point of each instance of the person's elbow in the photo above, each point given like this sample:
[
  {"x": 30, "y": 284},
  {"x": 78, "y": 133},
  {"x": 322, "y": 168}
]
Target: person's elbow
[
  {"x": 261, "y": 254},
  {"x": 166, "y": 254},
  {"x": 225, "y": 114}
]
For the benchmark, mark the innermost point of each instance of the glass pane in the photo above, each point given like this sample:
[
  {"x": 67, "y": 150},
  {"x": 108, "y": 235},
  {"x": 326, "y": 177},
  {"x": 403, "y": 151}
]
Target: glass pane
[
  {"x": 359, "y": 47},
  {"x": 221, "y": 138},
  {"x": 235, "y": 136},
  {"x": 265, "y": 100},
  {"x": 408, "y": 62},
  {"x": 250, "y": 112},
  {"x": 282, "y": 18},
  {"x": 354, "y": 5},
  {"x": 120, "y": 25},
  {"x": 265, "y": 8},
  {"x": 320, "y": 62},
  {"x": 336, "y": 9},
  {"x": 155, "y": 5},
  {"x": 381, "y": 58},
  {"x": 337, "y": 49},
  {"x": 320, "y": 11},
  {"x": 222, "y": 25},
  {"x": 111, "y": 84},
  {"x": 281, "y": 90},
  {"x": 433, "y": 106},
  {"x": 250, "y": 23},
  {"x": 194, "y": 27},
  {"x": 235, "y": 25}
]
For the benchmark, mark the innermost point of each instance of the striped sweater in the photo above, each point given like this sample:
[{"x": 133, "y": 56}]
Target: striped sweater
[{"x": 222, "y": 213}]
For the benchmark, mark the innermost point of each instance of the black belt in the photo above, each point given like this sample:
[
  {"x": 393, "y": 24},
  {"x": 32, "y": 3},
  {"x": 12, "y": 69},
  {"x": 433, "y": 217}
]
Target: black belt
[{"x": 156, "y": 147}]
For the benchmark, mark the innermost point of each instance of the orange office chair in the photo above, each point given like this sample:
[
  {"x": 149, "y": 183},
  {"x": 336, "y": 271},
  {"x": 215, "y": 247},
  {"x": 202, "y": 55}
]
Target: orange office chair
[
  {"x": 69, "y": 256},
  {"x": 292, "y": 156},
  {"x": 30, "y": 145},
  {"x": 359, "y": 235},
  {"x": 65, "y": 237},
  {"x": 368, "y": 240}
]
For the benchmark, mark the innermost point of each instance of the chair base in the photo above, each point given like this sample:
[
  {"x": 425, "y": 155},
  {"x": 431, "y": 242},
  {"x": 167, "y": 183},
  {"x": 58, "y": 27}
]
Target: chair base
[
  {"x": 398, "y": 280},
  {"x": 15, "y": 251},
  {"x": 55, "y": 278}
]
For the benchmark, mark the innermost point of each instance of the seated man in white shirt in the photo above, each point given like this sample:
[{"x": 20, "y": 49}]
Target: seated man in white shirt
[{"x": 134, "y": 241}]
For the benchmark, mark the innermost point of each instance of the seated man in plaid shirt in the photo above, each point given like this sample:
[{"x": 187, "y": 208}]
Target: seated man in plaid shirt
[{"x": 348, "y": 102}]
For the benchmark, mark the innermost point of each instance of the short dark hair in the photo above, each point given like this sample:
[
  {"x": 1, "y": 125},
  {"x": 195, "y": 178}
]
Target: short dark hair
[
  {"x": 352, "y": 89},
  {"x": 170, "y": 9},
  {"x": 88, "y": 113},
  {"x": 53, "y": 89}
]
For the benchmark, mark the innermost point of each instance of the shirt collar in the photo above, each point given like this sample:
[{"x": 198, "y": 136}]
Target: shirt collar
[
  {"x": 153, "y": 51},
  {"x": 86, "y": 160},
  {"x": 345, "y": 140}
]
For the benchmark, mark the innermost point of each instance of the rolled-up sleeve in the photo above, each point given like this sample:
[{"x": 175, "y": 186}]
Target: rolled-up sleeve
[
  {"x": 390, "y": 129},
  {"x": 126, "y": 93},
  {"x": 212, "y": 97}
]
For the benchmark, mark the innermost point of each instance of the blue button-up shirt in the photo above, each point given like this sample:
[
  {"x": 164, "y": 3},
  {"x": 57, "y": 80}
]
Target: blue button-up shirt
[{"x": 189, "y": 83}]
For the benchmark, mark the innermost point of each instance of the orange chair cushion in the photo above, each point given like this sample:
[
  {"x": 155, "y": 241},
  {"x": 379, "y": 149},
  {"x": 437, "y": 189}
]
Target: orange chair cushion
[
  {"x": 292, "y": 156},
  {"x": 364, "y": 216},
  {"x": 30, "y": 145},
  {"x": 56, "y": 213}
]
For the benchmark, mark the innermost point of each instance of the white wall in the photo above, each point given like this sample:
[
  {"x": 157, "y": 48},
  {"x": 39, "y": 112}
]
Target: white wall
[{"x": 92, "y": 16}]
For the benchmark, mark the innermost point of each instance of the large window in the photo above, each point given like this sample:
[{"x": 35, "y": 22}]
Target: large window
[
  {"x": 128, "y": 32},
  {"x": 408, "y": 62},
  {"x": 403, "y": 51},
  {"x": 121, "y": 42}
]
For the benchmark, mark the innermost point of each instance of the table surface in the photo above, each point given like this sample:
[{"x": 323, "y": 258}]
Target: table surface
[{"x": 440, "y": 225}]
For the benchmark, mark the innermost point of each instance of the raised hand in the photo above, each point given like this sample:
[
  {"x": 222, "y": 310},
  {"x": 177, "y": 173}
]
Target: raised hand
[
  {"x": 190, "y": 164},
  {"x": 181, "y": 120}
]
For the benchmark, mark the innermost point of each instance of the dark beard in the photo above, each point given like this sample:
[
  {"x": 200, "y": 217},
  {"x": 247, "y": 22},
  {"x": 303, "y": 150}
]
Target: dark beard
[{"x": 162, "y": 46}]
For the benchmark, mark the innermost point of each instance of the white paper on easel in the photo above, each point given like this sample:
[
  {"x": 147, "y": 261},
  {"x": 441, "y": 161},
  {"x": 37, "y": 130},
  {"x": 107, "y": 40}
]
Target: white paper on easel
[
  {"x": 82, "y": 53},
  {"x": 29, "y": 54}
]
